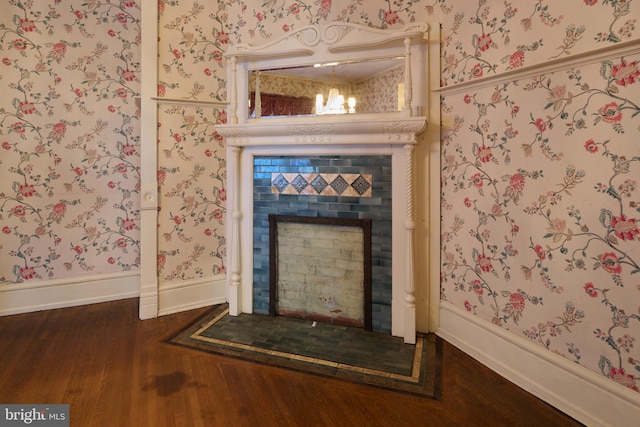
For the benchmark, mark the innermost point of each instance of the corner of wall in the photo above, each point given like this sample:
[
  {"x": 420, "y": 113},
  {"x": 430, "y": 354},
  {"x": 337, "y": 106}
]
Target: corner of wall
[{"x": 573, "y": 389}]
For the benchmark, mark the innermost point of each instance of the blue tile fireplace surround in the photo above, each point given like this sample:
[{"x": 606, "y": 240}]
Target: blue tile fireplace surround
[{"x": 350, "y": 195}]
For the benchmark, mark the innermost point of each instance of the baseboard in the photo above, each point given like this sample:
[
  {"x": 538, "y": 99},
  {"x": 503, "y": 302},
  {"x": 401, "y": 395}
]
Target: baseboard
[
  {"x": 191, "y": 294},
  {"x": 577, "y": 391},
  {"x": 27, "y": 297},
  {"x": 18, "y": 298},
  {"x": 148, "y": 308}
]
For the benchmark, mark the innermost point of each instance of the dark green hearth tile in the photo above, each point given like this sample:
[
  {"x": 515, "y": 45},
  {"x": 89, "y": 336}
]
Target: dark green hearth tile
[{"x": 337, "y": 351}]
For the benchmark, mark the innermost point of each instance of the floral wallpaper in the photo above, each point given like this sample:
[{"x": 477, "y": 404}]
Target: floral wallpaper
[
  {"x": 282, "y": 85},
  {"x": 540, "y": 204},
  {"x": 486, "y": 37},
  {"x": 539, "y": 189},
  {"x": 192, "y": 39},
  {"x": 191, "y": 160},
  {"x": 380, "y": 93},
  {"x": 70, "y": 138},
  {"x": 192, "y": 193}
]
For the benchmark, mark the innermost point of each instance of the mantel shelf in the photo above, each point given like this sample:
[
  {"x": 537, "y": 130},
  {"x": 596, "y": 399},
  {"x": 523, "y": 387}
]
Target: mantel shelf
[{"x": 343, "y": 130}]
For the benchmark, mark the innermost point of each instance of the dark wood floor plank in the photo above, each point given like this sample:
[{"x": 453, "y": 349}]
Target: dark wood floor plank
[{"x": 114, "y": 369}]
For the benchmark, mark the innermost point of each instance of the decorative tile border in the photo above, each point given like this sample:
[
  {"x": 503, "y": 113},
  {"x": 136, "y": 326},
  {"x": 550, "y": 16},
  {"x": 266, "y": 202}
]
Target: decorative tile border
[{"x": 322, "y": 184}]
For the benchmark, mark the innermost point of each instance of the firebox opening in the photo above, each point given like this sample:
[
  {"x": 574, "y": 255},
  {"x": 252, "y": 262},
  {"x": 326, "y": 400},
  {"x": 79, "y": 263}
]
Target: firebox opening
[{"x": 320, "y": 269}]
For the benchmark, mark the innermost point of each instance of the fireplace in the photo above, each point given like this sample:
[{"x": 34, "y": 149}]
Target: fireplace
[
  {"x": 320, "y": 269},
  {"x": 393, "y": 134},
  {"x": 258, "y": 190},
  {"x": 356, "y": 187}
]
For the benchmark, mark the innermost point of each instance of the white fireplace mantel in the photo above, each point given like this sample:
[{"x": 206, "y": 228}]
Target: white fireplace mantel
[
  {"x": 240, "y": 243},
  {"x": 392, "y": 133},
  {"x": 367, "y": 129}
]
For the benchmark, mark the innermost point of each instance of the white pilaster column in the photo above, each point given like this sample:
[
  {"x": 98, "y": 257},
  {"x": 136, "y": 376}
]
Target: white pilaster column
[
  {"x": 258, "y": 99},
  {"x": 235, "y": 262},
  {"x": 233, "y": 92},
  {"x": 408, "y": 80},
  {"x": 410, "y": 225},
  {"x": 149, "y": 165}
]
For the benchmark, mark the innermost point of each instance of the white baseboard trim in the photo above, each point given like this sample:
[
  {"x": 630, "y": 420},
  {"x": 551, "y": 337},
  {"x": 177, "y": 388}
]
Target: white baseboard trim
[
  {"x": 191, "y": 294},
  {"x": 27, "y": 297},
  {"x": 577, "y": 391},
  {"x": 148, "y": 308},
  {"x": 16, "y": 298}
]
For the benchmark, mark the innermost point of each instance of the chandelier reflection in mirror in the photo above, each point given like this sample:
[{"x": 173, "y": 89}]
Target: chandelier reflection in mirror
[{"x": 335, "y": 101}]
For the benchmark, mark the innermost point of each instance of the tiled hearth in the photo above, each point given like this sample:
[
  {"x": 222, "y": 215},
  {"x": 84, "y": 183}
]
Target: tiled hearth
[{"x": 357, "y": 187}]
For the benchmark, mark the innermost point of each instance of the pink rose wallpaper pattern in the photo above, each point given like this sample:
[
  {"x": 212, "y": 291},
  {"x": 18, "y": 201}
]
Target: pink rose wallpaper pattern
[
  {"x": 279, "y": 84},
  {"x": 191, "y": 41},
  {"x": 192, "y": 194},
  {"x": 539, "y": 189},
  {"x": 380, "y": 93},
  {"x": 191, "y": 154},
  {"x": 485, "y": 37},
  {"x": 539, "y": 206},
  {"x": 70, "y": 139}
]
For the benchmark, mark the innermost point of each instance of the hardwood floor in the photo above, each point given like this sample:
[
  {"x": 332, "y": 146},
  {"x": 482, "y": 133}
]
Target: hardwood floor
[{"x": 114, "y": 370}]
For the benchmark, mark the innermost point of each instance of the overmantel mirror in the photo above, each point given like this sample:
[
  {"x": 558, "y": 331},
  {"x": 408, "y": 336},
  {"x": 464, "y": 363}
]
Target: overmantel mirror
[
  {"x": 348, "y": 87},
  {"x": 340, "y": 69}
]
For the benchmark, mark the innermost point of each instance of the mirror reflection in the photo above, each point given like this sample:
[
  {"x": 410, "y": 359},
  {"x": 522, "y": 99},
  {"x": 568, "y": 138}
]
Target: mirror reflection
[{"x": 371, "y": 86}]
